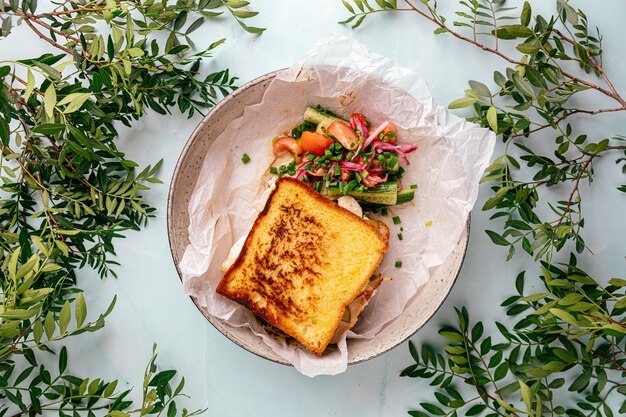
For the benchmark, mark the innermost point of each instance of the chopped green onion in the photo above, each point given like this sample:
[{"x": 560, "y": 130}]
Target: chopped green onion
[
  {"x": 350, "y": 155},
  {"x": 337, "y": 170},
  {"x": 396, "y": 220},
  {"x": 273, "y": 170},
  {"x": 245, "y": 158},
  {"x": 413, "y": 186},
  {"x": 326, "y": 177},
  {"x": 383, "y": 211},
  {"x": 398, "y": 264},
  {"x": 399, "y": 236}
]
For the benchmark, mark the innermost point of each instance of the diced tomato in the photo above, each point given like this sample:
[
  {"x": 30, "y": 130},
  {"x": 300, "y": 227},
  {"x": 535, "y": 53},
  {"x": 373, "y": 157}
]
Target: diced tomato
[
  {"x": 344, "y": 134},
  {"x": 390, "y": 133},
  {"x": 315, "y": 143}
]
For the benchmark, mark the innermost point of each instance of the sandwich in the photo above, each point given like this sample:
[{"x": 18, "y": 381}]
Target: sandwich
[{"x": 308, "y": 266}]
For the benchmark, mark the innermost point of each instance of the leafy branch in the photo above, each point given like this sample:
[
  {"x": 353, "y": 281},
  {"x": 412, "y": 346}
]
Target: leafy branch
[
  {"x": 68, "y": 191},
  {"x": 60, "y": 391},
  {"x": 576, "y": 327},
  {"x": 534, "y": 95}
]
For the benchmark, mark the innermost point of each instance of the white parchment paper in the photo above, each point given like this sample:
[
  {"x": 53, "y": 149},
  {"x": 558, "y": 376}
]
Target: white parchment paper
[{"x": 341, "y": 75}]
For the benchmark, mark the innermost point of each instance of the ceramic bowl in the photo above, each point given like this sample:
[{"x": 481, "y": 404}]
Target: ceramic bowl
[{"x": 420, "y": 308}]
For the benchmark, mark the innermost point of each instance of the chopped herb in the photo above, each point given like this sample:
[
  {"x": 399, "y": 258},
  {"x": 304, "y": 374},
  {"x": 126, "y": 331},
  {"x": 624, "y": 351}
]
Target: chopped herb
[
  {"x": 245, "y": 158},
  {"x": 413, "y": 186},
  {"x": 350, "y": 155},
  {"x": 325, "y": 112},
  {"x": 297, "y": 131},
  {"x": 273, "y": 170},
  {"x": 398, "y": 264},
  {"x": 396, "y": 220},
  {"x": 400, "y": 236},
  {"x": 337, "y": 170},
  {"x": 383, "y": 211},
  {"x": 326, "y": 177}
]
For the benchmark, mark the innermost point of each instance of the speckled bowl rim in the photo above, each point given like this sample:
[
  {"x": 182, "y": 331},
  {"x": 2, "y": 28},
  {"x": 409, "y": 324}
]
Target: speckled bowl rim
[{"x": 209, "y": 317}]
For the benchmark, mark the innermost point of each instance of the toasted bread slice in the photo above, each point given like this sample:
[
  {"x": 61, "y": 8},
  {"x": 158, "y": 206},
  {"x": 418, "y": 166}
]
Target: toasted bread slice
[{"x": 303, "y": 262}]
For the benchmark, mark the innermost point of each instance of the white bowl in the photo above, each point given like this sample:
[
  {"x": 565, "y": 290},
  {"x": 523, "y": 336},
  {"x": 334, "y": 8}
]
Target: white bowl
[{"x": 419, "y": 309}]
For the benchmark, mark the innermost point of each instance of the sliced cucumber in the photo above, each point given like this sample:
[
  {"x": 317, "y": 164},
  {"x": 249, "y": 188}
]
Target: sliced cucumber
[
  {"x": 405, "y": 195},
  {"x": 321, "y": 120},
  {"x": 384, "y": 194}
]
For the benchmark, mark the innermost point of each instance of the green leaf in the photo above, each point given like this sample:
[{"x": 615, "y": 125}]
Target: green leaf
[
  {"x": 492, "y": 118},
  {"x": 110, "y": 389},
  {"x": 499, "y": 79},
  {"x": 462, "y": 102},
  {"x": 49, "y": 325},
  {"x": 80, "y": 309},
  {"x": 526, "y": 396},
  {"x": 564, "y": 315},
  {"x": 523, "y": 86},
  {"x": 117, "y": 413},
  {"x": 621, "y": 303},
  {"x": 527, "y": 48},
  {"x": 162, "y": 378},
  {"x": 49, "y": 128},
  {"x": 496, "y": 238},
  {"x": 74, "y": 101},
  {"x": 452, "y": 336},
  {"x": 195, "y": 25},
  {"x": 618, "y": 282},
  {"x": 37, "y": 331},
  {"x": 480, "y": 88},
  {"x": 535, "y": 77},
  {"x": 30, "y": 86},
  {"x": 536, "y": 297},
  {"x": 497, "y": 198},
  {"x": 475, "y": 410},
  {"x": 514, "y": 31},
  {"x": 244, "y": 14},
  {"x": 581, "y": 382},
  {"x": 50, "y": 100},
  {"x": 570, "y": 299},
  {"x": 432, "y": 409},
  {"x": 526, "y": 14},
  {"x": 64, "y": 317},
  {"x": 62, "y": 360},
  {"x": 348, "y": 6}
]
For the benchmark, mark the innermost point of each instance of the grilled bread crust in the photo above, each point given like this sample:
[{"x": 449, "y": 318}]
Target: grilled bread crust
[{"x": 303, "y": 262}]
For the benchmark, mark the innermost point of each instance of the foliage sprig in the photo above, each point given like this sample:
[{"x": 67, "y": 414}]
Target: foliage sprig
[{"x": 68, "y": 191}]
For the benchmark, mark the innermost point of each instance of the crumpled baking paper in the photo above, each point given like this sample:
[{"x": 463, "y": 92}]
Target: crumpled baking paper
[{"x": 341, "y": 75}]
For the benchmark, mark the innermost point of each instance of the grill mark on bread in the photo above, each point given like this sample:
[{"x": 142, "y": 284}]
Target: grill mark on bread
[{"x": 301, "y": 233}]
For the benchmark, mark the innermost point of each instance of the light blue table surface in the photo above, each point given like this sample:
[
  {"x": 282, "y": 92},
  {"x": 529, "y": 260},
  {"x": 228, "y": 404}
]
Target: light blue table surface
[{"x": 230, "y": 381}]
